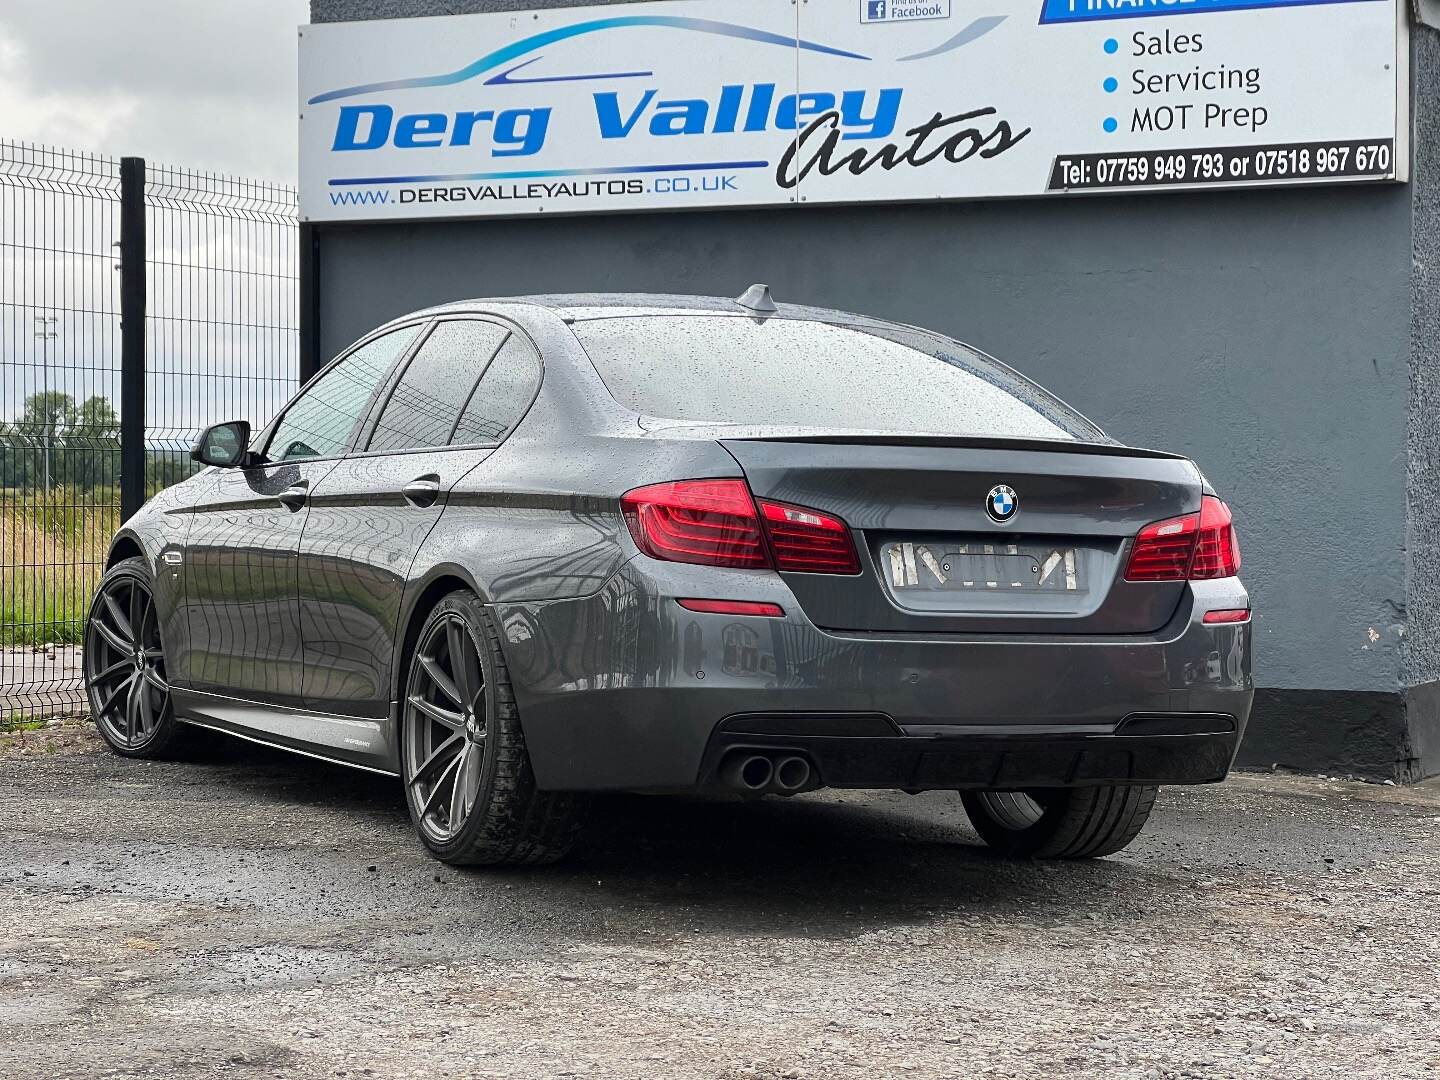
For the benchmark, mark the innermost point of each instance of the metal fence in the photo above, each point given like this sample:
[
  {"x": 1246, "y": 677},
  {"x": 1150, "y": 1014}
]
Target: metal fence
[
  {"x": 137, "y": 305},
  {"x": 222, "y": 337}
]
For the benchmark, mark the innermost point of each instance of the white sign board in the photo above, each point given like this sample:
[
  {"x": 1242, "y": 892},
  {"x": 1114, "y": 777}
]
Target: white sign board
[{"x": 714, "y": 103}]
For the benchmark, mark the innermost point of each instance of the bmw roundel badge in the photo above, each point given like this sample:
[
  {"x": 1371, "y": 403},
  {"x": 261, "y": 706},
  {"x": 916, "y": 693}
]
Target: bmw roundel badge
[{"x": 1002, "y": 503}]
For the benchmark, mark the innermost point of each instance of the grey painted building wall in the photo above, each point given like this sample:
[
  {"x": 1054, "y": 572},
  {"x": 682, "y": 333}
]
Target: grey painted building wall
[
  {"x": 1285, "y": 339},
  {"x": 1420, "y": 666}
]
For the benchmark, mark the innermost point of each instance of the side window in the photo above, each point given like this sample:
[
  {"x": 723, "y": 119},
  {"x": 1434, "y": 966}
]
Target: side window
[
  {"x": 423, "y": 407},
  {"x": 320, "y": 422},
  {"x": 502, "y": 397}
]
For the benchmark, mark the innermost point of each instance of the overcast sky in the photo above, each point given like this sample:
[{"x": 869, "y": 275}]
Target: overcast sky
[{"x": 208, "y": 84}]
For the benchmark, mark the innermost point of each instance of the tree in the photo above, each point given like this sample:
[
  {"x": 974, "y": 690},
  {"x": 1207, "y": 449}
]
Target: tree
[
  {"x": 92, "y": 445},
  {"x": 57, "y": 443},
  {"x": 12, "y": 448},
  {"x": 34, "y": 437}
]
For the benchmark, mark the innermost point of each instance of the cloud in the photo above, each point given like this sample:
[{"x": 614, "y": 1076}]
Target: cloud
[{"x": 208, "y": 84}]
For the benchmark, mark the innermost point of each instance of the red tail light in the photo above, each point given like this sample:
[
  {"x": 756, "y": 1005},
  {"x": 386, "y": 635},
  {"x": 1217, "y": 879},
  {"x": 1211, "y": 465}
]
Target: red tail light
[
  {"x": 717, "y": 523},
  {"x": 1196, "y": 546},
  {"x": 711, "y": 522},
  {"x": 809, "y": 541},
  {"x": 1217, "y": 554},
  {"x": 1163, "y": 551}
]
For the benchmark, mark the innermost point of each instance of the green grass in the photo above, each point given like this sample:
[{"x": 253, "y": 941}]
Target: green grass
[
  {"x": 20, "y": 722},
  {"x": 35, "y": 614},
  {"x": 52, "y": 552}
]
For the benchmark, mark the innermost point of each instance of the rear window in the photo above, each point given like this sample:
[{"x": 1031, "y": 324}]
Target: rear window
[{"x": 739, "y": 370}]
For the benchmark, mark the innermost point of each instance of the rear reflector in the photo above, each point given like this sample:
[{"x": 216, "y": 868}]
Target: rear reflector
[
  {"x": 717, "y": 523},
  {"x": 1196, "y": 546},
  {"x": 734, "y": 607},
  {"x": 1236, "y": 615}
]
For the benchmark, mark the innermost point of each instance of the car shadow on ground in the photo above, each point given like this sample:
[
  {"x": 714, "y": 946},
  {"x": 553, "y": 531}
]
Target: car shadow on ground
[{"x": 826, "y": 864}]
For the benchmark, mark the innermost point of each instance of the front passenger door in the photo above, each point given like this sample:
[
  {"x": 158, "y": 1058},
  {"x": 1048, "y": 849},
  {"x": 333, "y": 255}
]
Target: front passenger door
[{"x": 242, "y": 626}]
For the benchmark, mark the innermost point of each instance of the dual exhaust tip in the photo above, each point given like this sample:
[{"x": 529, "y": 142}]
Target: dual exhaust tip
[{"x": 766, "y": 774}]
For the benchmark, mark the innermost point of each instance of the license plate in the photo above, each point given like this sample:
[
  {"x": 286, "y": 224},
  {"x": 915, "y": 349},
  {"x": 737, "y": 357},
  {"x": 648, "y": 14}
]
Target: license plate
[{"x": 954, "y": 567}]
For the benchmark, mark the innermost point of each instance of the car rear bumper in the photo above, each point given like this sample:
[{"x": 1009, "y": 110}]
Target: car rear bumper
[
  {"x": 625, "y": 690},
  {"x": 984, "y": 758}
]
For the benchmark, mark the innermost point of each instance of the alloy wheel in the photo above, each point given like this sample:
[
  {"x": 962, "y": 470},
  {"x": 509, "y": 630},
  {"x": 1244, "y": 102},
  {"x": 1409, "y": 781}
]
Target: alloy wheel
[
  {"x": 125, "y": 663},
  {"x": 446, "y": 725}
]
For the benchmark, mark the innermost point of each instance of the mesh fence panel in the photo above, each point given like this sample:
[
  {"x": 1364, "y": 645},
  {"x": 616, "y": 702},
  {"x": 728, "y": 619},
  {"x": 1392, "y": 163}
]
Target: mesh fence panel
[
  {"x": 222, "y": 343},
  {"x": 59, "y": 428},
  {"x": 222, "y": 336}
]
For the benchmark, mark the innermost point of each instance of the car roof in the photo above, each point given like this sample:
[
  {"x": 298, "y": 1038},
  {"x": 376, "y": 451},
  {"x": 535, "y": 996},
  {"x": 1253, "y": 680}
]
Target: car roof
[
  {"x": 582, "y": 307},
  {"x": 579, "y": 307}
]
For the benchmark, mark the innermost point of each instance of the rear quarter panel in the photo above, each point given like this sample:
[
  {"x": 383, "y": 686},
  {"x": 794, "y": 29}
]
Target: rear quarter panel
[{"x": 540, "y": 519}]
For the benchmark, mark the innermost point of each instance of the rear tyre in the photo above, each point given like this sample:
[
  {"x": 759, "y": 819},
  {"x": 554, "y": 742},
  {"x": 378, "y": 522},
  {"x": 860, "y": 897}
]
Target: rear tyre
[
  {"x": 124, "y": 663},
  {"x": 1060, "y": 823},
  {"x": 468, "y": 781}
]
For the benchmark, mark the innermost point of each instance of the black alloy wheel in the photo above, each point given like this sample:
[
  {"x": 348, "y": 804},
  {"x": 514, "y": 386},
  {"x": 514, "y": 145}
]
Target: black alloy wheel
[
  {"x": 446, "y": 726},
  {"x": 124, "y": 664},
  {"x": 468, "y": 780}
]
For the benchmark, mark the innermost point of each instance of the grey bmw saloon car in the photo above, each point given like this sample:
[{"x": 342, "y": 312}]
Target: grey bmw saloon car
[{"x": 517, "y": 551}]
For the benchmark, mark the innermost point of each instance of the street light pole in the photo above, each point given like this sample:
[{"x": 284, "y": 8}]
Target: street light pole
[{"x": 45, "y": 331}]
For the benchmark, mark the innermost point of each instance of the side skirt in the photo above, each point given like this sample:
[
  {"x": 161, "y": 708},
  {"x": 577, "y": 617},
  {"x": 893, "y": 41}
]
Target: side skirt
[{"x": 342, "y": 740}]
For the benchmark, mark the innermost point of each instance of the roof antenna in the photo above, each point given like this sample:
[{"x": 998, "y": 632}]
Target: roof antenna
[{"x": 757, "y": 298}]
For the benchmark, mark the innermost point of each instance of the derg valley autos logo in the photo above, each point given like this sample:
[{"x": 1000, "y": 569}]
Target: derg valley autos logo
[
  {"x": 881, "y": 11},
  {"x": 829, "y": 122}
]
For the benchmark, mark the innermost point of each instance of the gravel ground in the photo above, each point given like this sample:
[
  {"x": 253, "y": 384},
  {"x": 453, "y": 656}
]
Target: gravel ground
[{"x": 252, "y": 914}]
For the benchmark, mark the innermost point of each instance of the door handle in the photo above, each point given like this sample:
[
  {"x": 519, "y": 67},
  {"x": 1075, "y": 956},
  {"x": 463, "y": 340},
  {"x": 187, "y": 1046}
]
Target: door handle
[
  {"x": 295, "y": 496},
  {"x": 422, "y": 491}
]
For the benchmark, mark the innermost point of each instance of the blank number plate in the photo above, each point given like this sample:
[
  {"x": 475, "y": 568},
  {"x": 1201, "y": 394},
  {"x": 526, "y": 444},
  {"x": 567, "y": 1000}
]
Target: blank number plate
[{"x": 967, "y": 567}]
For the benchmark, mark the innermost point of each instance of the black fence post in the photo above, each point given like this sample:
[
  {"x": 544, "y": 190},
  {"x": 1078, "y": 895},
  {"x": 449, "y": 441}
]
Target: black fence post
[
  {"x": 132, "y": 335},
  {"x": 309, "y": 302}
]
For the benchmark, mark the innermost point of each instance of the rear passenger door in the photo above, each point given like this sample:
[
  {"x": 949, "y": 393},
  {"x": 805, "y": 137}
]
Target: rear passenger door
[{"x": 370, "y": 515}]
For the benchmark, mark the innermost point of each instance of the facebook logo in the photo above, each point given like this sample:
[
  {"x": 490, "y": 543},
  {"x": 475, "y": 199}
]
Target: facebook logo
[{"x": 895, "y": 11}]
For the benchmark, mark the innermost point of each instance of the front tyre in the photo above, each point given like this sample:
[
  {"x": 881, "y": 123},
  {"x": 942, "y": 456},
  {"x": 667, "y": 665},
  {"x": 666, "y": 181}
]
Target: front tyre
[
  {"x": 1060, "y": 823},
  {"x": 468, "y": 781},
  {"x": 124, "y": 664}
]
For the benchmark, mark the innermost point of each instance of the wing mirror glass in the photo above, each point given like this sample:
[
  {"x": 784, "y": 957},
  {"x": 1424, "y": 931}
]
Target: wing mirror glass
[{"x": 223, "y": 445}]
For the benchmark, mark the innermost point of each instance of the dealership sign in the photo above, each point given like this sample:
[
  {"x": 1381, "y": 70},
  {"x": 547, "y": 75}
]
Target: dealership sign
[{"x": 703, "y": 103}]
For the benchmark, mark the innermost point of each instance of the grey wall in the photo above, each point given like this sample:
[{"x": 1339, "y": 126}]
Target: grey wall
[
  {"x": 1284, "y": 339},
  {"x": 1421, "y": 667}
]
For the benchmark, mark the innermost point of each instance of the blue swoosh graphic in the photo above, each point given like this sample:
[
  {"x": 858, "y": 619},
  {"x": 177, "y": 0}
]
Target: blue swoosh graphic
[
  {"x": 519, "y": 48},
  {"x": 534, "y": 174},
  {"x": 978, "y": 28},
  {"x": 504, "y": 77}
]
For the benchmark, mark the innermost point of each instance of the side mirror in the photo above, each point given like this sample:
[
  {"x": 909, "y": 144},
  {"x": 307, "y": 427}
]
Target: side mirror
[{"x": 223, "y": 445}]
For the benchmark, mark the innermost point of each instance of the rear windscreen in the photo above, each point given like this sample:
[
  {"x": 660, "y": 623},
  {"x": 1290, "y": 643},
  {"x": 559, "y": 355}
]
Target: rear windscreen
[{"x": 739, "y": 370}]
